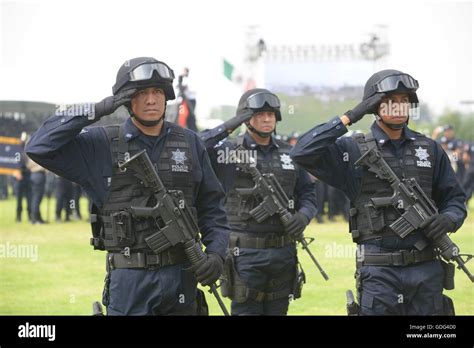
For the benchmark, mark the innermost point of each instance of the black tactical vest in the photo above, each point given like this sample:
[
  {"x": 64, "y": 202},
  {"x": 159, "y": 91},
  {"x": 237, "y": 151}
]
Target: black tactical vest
[
  {"x": 118, "y": 229},
  {"x": 417, "y": 162},
  {"x": 284, "y": 170}
]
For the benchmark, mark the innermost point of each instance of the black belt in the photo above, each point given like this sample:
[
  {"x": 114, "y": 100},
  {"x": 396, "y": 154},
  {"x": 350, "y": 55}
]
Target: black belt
[
  {"x": 398, "y": 258},
  {"x": 360, "y": 236},
  {"x": 245, "y": 240},
  {"x": 144, "y": 260}
]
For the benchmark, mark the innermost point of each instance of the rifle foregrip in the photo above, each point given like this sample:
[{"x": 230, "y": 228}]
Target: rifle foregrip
[
  {"x": 194, "y": 252},
  {"x": 285, "y": 218}
]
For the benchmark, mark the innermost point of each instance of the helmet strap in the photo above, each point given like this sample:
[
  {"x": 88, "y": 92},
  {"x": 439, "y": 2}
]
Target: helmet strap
[
  {"x": 391, "y": 125},
  {"x": 147, "y": 123},
  {"x": 262, "y": 134}
]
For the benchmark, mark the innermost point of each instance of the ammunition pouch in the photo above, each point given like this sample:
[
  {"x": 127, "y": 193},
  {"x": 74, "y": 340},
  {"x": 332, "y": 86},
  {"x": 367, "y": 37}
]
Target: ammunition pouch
[
  {"x": 114, "y": 230},
  {"x": 377, "y": 222},
  {"x": 122, "y": 227}
]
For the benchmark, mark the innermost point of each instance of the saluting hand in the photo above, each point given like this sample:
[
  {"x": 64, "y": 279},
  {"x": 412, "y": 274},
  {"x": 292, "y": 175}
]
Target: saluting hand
[
  {"x": 365, "y": 107},
  {"x": 112, "y": 103}
]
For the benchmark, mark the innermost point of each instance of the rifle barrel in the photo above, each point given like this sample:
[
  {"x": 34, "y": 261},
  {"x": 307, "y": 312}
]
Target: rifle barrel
[{"x": 306, "y": 247}]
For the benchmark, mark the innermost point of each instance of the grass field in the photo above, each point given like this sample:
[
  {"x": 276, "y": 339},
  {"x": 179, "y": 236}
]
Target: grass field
[{"x": 67, "y": 274}]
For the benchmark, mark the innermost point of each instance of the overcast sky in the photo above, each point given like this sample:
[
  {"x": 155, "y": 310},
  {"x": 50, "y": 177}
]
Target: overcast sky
[{"x": 70, "y": 51}]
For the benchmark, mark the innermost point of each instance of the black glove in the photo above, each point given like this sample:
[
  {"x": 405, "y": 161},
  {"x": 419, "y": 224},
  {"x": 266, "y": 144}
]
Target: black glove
[
  {"x": 237, "y": 120},
  {"x": 368, "y": 106},
  {"x": 110, "y": 104},
  {"x": 439, "y": 226},
  {"x": 297, "y": 225},
  {"x": 210, "y": 270}
]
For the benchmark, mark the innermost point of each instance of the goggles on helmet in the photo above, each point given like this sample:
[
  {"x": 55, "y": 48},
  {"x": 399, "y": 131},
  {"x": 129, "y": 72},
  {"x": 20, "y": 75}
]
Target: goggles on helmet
[
  {"x": 258, "y": 100},
  {"x": 145, "y": 72},
  {"x": 390, "y": 83}
]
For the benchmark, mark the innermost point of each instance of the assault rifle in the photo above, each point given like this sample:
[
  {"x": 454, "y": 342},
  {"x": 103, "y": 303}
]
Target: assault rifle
[
  {"x": 172, "y": 216},
  {"x": 408, "y": 197},
  {"x": 274, "y": 200}
]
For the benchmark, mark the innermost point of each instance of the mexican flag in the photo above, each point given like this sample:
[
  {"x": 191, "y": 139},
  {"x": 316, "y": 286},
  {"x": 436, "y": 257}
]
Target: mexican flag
[{"x": 228, "y": 70}]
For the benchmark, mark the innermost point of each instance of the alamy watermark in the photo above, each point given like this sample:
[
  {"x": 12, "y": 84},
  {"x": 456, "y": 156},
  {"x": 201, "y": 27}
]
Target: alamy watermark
[
  {"x": 25, "y": 251},
  {"x": 344, "y": 251},
  {"x": 241, "y": 156},
  {"x": 79, "y": 109},
  {"x": 37, "y": 331},
  {"x": 394, "y": 109}
]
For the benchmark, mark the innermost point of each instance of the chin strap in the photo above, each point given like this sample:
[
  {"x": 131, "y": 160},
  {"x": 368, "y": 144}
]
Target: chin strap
[
  {"x": 147, "y": 123},
  {"x": 391, "y": 125},
  {"x": 262, "y": 134}
]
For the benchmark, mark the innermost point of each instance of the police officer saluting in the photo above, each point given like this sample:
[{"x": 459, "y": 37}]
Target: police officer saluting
[
  {"x": 396, "y": 275},
  {"x": 261, "y": 268},
  {"x": 139, "y": 282}
]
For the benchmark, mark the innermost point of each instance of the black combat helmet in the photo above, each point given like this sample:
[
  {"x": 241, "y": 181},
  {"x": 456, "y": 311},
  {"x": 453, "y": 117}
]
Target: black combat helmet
[
  {"x": 391, "y": 81},
  {"x": 259, "y": 99},
  {"x": 145, "y": 72},
  {"x": 387, "y": 81}
]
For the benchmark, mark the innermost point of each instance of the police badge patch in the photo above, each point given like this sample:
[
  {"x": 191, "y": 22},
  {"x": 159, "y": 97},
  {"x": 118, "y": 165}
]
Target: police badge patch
[
  {"x": 179, "y": 157},
  {"x": 422, "y": 155},
  {"x": 286, "y": 162}
]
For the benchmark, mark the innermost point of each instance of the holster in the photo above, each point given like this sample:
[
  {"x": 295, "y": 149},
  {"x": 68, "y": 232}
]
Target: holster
[
  {"x": 97, "y": 240},
  {"x": 201, "y": 304},
  {"x": 300, "y": 279},
  {"x": 232, "y": 285},
  {"x": 105, "y": 292},
  {"x": 449, "y": 270}
]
